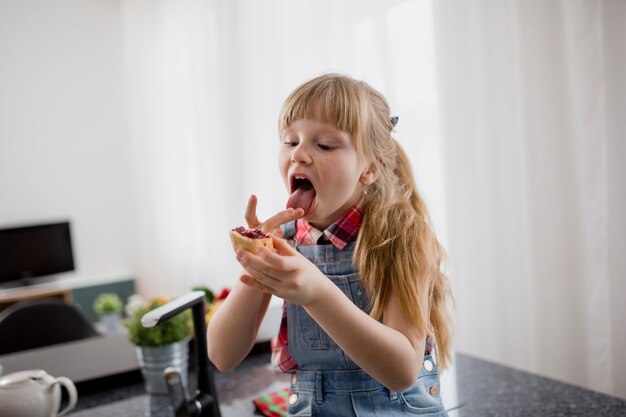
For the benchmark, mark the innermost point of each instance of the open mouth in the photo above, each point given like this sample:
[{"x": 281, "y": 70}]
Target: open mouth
[{"x": 302, "y": 194}]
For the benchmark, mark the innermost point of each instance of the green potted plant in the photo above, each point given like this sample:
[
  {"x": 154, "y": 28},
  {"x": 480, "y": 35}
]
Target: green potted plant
[
  {"x": 159, "y": 347},
  {"x": 108, "y": 306}
]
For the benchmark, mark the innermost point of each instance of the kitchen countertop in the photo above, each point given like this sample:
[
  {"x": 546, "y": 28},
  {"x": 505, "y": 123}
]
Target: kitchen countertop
[
  {"x": 488, "y": 389},
  {"x": 236, "y": 388},
  {"x": 473, "y": 388}
]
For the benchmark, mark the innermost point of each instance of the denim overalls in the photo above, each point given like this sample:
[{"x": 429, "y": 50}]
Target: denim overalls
[{"x": 327, "y": 382}]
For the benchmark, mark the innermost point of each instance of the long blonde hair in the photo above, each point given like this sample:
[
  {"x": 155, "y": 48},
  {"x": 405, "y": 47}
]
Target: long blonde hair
[{"x": 395, "y": 220}]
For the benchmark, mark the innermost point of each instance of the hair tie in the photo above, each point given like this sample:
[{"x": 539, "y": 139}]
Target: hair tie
[{"x": 394, "y": 120}]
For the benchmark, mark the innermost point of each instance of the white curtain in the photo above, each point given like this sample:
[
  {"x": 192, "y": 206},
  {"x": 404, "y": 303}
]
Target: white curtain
[
  {"x": 525, "y": 182},
  {"x": 207, "y": 79},
  {"x": 533, "y": 100}
]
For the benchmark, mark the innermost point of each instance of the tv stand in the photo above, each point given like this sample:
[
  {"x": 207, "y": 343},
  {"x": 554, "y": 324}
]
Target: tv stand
[
  {"x": 6, "y": 301},
  {"x": 28, "y": 282},
  {"x": 80, "y": 289}
]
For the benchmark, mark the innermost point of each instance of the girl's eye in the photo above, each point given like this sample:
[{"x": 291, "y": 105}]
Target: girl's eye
[
  {"x": 290, "y": 143},
  {"x": 324, "y": 147}
]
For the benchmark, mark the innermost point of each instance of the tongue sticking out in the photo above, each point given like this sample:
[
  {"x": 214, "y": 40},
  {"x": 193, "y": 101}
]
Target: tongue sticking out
[{"x": 303, "y": 197}]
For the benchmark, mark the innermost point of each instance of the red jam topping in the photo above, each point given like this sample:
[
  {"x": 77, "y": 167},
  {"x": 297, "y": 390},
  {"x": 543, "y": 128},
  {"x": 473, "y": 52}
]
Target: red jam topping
[{"x": 250, "y": 233}]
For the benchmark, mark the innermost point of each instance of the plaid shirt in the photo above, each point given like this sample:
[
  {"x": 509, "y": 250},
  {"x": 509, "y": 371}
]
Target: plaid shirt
[{"x": 340, "y": 233}]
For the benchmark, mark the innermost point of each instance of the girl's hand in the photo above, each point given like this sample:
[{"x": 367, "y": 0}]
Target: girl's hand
[
  {"x": 286, "y": 274},
  {"x": 270, "y": 225}
]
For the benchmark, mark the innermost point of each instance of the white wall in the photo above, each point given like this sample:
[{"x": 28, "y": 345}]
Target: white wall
[{"x": 64, "y": 141}]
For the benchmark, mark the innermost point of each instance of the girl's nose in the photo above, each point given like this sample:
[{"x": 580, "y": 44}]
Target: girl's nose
[{"x": 300, "y": 155}]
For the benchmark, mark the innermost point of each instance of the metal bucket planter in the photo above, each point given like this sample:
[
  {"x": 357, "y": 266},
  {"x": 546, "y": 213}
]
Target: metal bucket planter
[
  {"x": 111, "y": 323},
  {"x": 154, "y": 360}
]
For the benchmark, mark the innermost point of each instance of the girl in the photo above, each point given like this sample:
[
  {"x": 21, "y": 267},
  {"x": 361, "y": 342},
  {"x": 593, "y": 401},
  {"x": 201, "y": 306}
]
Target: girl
[{"x": 358, "y": 265}]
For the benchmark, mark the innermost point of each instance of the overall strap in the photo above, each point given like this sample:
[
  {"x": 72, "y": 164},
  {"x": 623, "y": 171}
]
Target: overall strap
[{"x": 289, "y": 229}]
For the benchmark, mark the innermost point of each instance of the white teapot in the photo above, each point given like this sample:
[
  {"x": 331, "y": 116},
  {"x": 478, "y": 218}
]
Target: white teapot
[{"x": 34, "y": 393}]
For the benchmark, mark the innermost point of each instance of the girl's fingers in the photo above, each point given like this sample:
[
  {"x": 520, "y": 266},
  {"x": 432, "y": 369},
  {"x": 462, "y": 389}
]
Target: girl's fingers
[
  {"x": 250, "y": 216},
  {"x": 258, "y": 268},
  {"x": 282, "y": 217},
  {"x": 253, "y": 282},
  {"x": 283, "y": 247},
  {"x": 273, "y": 222},
  {"x": 278, "y": 263}
]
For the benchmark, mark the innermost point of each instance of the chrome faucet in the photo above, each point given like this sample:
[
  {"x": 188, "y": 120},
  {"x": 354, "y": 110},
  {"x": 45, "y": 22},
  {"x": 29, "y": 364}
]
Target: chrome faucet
[{"x": 204, "y": 402}]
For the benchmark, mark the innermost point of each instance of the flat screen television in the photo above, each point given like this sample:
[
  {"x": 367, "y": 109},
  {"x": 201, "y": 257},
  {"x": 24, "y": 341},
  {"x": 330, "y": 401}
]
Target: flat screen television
[{"x": 29, "y": 252}]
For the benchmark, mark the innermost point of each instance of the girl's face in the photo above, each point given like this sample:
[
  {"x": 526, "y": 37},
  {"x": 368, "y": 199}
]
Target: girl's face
[{"x": 321, "y": 171}]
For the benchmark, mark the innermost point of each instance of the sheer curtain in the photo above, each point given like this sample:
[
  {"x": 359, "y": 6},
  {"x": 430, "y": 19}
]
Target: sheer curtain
[
  {"x": 525, "y": 182},
  {"x": 533, "y": 100},
  {"x": 206, "y": 81}
]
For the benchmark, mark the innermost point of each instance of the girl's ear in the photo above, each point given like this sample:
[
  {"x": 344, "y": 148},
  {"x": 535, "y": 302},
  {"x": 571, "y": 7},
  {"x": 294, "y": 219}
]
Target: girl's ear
[{"x": 370, "y": 174}]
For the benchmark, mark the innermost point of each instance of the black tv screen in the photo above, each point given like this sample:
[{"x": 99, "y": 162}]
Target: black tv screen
[{"x": 34, "y": 251}]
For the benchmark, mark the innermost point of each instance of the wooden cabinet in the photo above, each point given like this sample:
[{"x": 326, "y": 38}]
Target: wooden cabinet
[
  {"x": 10, "y": 299},
  {"x": 72, "y": 288}
]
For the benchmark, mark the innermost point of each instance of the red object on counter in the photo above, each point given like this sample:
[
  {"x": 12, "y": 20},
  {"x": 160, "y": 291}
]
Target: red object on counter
[
  {"x": 223, "y": 294},
  {"x": 273, "y": 404}
]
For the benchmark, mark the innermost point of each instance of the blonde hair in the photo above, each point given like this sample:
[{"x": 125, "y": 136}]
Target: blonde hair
[{"x": 395, "y": 220}]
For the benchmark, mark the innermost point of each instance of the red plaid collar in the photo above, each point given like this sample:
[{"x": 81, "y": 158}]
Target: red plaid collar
[{"x": 340, "y": 233}]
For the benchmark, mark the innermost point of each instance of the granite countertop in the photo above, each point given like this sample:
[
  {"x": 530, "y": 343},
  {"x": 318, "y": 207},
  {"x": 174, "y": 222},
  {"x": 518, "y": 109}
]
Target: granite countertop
[
  {"x": 488, "y": 389},
  {"x": 124, "y": 395},
  {"x": 473, "y": 388}
]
